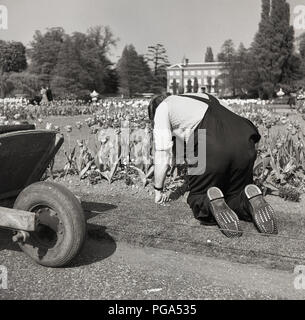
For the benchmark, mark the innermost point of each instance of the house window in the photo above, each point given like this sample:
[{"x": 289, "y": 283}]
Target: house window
[
  {"x": 213, "y": 72},
  {"x": 177, "y": 73},
  {"x": 192, "y": 73},
  {"x": 171, "y": 73},
  {"x": 199, "y": 81},
  {"x": 199, "y": 72},
  {"x": 186, "y": 72}
]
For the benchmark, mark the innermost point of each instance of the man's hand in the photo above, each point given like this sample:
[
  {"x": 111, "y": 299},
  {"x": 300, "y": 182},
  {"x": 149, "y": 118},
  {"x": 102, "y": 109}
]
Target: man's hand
[{"x": 161, "y": 198}]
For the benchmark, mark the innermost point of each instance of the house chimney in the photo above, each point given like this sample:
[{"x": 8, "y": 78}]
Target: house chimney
[{"x": 186, "y": 61}]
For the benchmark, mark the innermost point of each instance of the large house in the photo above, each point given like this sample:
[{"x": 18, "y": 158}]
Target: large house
[{"x": 196, "y": 77}]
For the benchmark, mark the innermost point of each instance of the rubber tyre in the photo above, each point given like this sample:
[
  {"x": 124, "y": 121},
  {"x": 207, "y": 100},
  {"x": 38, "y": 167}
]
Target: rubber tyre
[{"x": 72, "y": 221}]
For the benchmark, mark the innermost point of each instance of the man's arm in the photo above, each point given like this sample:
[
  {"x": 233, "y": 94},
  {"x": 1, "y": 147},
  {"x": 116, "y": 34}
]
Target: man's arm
[
  {"x": 162, "y": 160},
  {"x": 163, "y": 146}
]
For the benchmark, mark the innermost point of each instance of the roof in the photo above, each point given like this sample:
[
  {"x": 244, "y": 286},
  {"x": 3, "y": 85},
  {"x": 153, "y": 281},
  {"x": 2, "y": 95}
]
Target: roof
[{"x": 197, "y": 65}]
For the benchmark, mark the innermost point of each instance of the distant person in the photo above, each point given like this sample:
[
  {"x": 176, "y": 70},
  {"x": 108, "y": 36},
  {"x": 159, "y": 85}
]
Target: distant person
[
  {"x": 43, "y": 93},
  {"x": 49, "y": 94},
  {"x": 203, "y": 89},
  {"x": 292, "y": 100}
]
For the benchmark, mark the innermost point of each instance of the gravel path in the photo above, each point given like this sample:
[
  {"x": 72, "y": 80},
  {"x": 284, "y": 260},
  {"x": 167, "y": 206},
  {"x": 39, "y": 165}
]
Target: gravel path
[{"x": 110, "y": 270}]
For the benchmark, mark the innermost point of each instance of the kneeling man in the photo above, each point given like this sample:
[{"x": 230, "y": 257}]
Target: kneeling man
[{"x": 223, "y": 191}]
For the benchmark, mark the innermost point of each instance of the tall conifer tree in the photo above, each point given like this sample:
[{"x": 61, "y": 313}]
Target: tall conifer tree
[{"x": 272, "y": 50}]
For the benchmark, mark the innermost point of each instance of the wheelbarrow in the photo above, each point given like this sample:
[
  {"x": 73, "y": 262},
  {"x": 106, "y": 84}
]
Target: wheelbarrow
[{"x": 47, "y": 220}]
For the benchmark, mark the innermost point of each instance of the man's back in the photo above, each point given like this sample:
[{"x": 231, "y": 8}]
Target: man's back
[{"x": 179, "y": 116}]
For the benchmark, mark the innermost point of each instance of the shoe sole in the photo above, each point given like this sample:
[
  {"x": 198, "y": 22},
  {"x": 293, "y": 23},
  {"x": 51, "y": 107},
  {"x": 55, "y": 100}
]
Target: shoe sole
[
  {"x": 261, "y": 211},
  {"x": 226, "y": 218}
]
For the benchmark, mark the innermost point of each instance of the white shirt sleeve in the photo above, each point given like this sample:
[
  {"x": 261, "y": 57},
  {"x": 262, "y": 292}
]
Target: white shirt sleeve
[{"x": 162, "y": 128}]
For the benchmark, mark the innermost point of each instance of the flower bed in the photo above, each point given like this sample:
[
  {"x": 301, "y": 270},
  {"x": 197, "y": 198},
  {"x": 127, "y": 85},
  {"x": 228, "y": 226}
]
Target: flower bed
[{"x": 115, "y": 142}]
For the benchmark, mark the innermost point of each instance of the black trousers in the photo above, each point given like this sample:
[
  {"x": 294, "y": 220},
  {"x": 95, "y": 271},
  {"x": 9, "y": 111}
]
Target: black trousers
[{"x": 230, "y": 157}]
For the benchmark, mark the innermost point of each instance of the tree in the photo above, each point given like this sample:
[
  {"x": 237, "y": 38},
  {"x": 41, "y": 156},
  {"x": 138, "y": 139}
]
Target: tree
[
  {"x": 174, "y": 86},
  {"x": 227, "y": 51},
  {"x": 82, "y": 63},
  {"x": 44, "y": 52},
  {"x": 196, "y": 85},
  {"x": 216, "y": 86},
  {"x": 181, "y": 88},
  {"x": 105, "y": 41},
  {"x": 301, "y": 48},
  {"x": 209, "y": 84},
  {"x": 272, "y": 52},
  {"x": 134, "y": 72},
  {"x": 24, "y": 82},
  {"x": 242, "y": 60},
  {"x": 12, "y": 59},
  {"x": 74, "y": 64},
  {"x": 12, "y": 56},
  {"x": 145, "y": 74},
  {"x": 209, "y": 56},
  {"x": 302, "y": 45},
  {"x": 111, "y": 81},
  {"x": 159, "y": 82},
  {"x": 261, "y": 47},
  {"x": 228, "y": 55},
  {"x": 70, "y": 77},
  {"x": 158, "y": 58},
  {"x": 284, "y": 59},
  {"x": 189, "y": 86}
]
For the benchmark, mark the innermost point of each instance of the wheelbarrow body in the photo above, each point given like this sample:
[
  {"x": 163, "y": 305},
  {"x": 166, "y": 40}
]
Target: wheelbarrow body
[
  {"x": 24, "y": 157},
  {"x": 47, "y": 219}
]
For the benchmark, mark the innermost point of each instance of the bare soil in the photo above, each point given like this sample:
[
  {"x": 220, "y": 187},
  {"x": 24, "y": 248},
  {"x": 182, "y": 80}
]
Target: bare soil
[{"x": 129, "y": 214}]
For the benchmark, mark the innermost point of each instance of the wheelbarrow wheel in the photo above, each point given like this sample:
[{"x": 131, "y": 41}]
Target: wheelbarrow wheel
[{"x": 61, "y": 227}]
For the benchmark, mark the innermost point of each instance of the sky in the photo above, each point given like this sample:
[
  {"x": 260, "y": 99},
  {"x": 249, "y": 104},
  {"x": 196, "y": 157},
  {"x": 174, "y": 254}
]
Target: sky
[{"x": 185, "y": 27}]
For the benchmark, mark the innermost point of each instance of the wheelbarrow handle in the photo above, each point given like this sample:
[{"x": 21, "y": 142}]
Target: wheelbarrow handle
[{"x": 16, "y": 127}]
